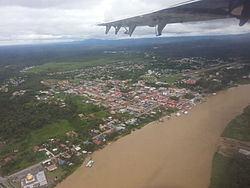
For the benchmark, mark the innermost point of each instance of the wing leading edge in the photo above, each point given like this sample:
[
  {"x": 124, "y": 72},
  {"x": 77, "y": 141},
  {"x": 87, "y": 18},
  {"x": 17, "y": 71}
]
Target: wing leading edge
[{"x": 202, "y": 10}]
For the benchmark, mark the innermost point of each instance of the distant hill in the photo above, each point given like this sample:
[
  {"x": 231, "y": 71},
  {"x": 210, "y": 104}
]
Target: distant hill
[{"x": 218, "y": 46}]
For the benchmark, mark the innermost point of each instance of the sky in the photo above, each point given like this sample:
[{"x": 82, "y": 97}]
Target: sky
[{"x": 40, "y": 21}]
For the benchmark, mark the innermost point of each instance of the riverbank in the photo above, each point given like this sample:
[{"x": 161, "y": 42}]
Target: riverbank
[
  {"x": 176, "y": 153},
  {"x": 231, "y": 161}
]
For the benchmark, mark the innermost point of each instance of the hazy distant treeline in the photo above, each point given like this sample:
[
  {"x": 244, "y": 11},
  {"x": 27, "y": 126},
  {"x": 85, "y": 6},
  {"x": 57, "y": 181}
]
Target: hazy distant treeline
[{"x": 216, "y": 46}]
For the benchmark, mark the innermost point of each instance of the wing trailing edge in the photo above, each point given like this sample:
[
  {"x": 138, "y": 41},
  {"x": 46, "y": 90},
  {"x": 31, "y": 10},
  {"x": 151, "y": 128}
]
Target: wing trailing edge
[{"x": 192, "y": 11}]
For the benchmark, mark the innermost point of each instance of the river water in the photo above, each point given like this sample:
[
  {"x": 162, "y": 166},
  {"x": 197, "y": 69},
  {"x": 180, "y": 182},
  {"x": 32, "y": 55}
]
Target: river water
[{"x": 176, "y": 153}]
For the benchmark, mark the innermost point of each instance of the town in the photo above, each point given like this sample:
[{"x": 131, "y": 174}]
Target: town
[{"x": 123, "y": 97}]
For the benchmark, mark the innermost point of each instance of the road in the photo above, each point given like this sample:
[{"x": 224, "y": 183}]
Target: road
[
  {"x": 208, "y": 69},
  {"x": 27, "y": 170}
]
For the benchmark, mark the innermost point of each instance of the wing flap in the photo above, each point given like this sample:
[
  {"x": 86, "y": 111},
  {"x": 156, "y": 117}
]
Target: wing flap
[{"x": 196, "y": 11}]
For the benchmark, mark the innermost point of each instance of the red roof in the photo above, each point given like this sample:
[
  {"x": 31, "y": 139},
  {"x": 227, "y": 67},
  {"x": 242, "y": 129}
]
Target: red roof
[
  {"x": 7, "y": 159},
  {"x": 110, "y": 131},
  {"x": 191, "y": 81},
  {"x": 170, "y": 105},
  {"x": 124, "y": 102},
  {"x": 118, "y": 93},
  {"x": 97, "y": 141},
  {"x": 134, "y": 107},
  {"x": 63, "y": 145},
  {"x": 172, "y": 101},
  {"x": 36, "y": 148},
  {"x": 115, "y": 104}
]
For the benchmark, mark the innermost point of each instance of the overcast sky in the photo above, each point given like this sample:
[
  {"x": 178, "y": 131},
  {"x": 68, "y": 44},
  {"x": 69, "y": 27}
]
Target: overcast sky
[{"x": 37, "y": 21}]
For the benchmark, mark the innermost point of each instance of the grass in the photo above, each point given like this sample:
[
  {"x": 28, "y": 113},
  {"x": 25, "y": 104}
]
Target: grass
[
  {"x": 171, "y": 79},
  {"x": 27, "y": 157},
  {"x": 53, "y": 130},
  {"x": 239, "y": 128},
  {"x": 59, "y": 174},
  {"x": 230, "y": 172},
  {"x": 82, "y": 107},
  {"x": 219, "y": 169},
  {"x": 233, "y": 171},
  {"x": 36, "y": 137},
  {"x": 67, "y": 66}
]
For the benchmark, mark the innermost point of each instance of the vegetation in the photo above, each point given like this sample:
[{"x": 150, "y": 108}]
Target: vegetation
[
  {"x": 219, "y": 171},
  {"x": 26, "y": 123},
  {"x": 230, "y": 172},
  {"x": 239, "y": 128},
  {"x": 68, "y": 66},
  {"x": 171, "y": 79},
  {"x": 233, "y": 171},
  {"x": 54, "y": 130},
  {"x": 174, "y": 98},
  {"x": 189, "y": 96},
  {"x": 8, "y": 71},
  {"x": 222, "y": 78},
  {"x": 125, "y": 75},
  {"x": 21, "y": 114}
]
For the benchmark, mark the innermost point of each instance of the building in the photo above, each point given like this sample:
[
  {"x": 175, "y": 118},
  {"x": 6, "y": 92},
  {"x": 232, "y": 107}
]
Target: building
[
  {"x": 97, "y": 142},
  {"x": 191, "y": 82},
  {"x": 134, "y": 108},
  {"x": 72, "y": 134},
  {"x": 7, "y": 159},
  {"x": 244, "y": 152},
  {"x": 31, "y": 181},
  {"x": 49, "y": 165}
]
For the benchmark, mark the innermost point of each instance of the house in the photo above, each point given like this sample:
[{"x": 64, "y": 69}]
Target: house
[
  {"x": 18, "y": 93},
  {"x": 7, "y": 159},
  {"x": 91, "y": 115},
  {"x": 110, "y": 131},
  {"x": 77, "y": 148},
  {"x": 72, "y": 134},
  {"x": 55, "y": 149},
  {"x": 97, "y": 142},
  {"x": 63, "y": 146},
  {"x": 134, "y": 108},
  {"x": 66, "y": 155},
  {"x": 61, "y": 162},
  {"x": 172, "y": 101},
  {"x": 36, "y": 148},
  {"x": 244, "y": 152},
  {"x": 191, "y": 82},
  {"x": 2, "y": 143},
  {"x": 119, "y": 128},
  {"x": 131, "y": 121},
  {"x": 49, "y": 165}
]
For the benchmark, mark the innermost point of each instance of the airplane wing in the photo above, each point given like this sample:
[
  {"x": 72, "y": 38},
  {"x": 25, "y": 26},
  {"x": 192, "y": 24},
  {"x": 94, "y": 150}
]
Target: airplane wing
[{"x": 190, "y": 11}]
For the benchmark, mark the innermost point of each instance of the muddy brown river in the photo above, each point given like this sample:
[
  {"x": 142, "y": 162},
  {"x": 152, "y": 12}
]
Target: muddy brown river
[{"x": 176, "y": 153}]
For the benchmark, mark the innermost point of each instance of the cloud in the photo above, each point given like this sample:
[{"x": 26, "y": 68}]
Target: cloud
[
  {"x": 36, "y": 21},
  {"x": 40, "y": 4}
]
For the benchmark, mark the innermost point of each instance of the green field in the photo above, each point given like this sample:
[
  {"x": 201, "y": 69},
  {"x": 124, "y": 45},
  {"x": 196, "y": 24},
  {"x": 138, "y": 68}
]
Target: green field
[
  {"x": 219, "y": 171},
  {"x": 239, "y": 128},
  {"x": 26, "y": 157},
  {"x": 53, "y": 130},
  {"x": 233, "y": 171},
  {"x": 230, "y": 172},
  {"x": 67, "y": 66},
  {"x": 171, "y": 79}
]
